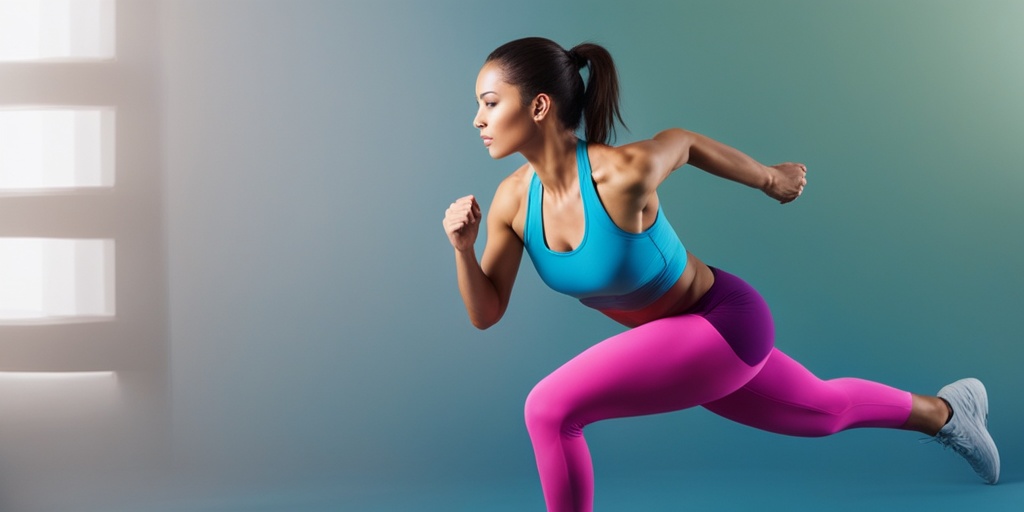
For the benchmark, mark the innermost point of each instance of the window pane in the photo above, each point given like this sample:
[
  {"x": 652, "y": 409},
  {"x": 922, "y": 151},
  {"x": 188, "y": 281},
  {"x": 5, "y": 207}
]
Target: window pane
[
  {"x": 56, "y": 29},
  {"x": 51, "y": 279},
  {"x": 56, "y": 148}
]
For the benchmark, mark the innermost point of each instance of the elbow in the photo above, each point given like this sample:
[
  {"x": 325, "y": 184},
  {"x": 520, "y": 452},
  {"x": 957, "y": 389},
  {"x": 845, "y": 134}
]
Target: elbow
[
  {"x": 484, "y": 314},
  {"x": 482, "y": 324}
]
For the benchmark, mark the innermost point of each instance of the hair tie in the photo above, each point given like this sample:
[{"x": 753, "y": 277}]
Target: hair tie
[{"x": 577, "y": 60}]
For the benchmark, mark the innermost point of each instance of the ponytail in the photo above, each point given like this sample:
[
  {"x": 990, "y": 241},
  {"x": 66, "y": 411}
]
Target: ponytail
[
  {"x": 601, "y": 99},
  {"x": 536, "y": 65}
]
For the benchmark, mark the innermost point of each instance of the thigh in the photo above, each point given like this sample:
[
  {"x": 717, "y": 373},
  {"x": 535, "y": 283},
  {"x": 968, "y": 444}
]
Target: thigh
[{"x": 666, "y": 365}]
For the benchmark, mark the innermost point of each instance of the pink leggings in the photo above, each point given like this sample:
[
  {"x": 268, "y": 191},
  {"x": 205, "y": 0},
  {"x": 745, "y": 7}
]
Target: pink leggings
[{"x": 680, "y": 362}]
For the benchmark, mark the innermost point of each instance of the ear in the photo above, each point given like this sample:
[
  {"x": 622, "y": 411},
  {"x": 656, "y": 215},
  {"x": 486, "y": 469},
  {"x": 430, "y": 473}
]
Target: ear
[{"x": 540, "y": 107}]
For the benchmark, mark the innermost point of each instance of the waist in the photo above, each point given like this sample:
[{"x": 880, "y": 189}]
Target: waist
[{"x": 684, "y": 294}]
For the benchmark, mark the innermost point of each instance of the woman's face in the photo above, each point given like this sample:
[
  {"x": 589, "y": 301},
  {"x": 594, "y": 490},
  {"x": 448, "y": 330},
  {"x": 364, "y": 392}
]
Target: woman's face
[{"x": 505, "y": 124}]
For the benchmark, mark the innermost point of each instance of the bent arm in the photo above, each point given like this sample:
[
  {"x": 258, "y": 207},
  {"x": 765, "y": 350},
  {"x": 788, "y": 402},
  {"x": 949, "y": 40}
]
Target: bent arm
[{"x": 487, "y": 286}]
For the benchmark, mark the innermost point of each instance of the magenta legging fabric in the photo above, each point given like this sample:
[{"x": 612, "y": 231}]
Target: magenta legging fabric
[{"x": 684, "y": 361}]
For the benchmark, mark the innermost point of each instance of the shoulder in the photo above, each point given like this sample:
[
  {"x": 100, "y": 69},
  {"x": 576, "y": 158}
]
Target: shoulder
[
  {"x": 511, "y": 193},
  {"x": 515, "y": 185},
  {"x": 643, "y": 163},
  {"x": 621, "y": 165}
]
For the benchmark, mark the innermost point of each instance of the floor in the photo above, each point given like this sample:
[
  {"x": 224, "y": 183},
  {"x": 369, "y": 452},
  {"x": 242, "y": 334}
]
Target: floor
[
  {"x": 863, "y": 470},
  {"x": 843, "y": 489}
]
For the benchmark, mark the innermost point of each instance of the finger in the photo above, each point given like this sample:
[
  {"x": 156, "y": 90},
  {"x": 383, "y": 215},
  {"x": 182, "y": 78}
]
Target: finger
[
  {"x": 464, "y": 214},
  {"x": 455, "y": 227},
  {"x": 467, "y": 215},
  {"x": 468, "y": 210},
  {"x": 465, "y": 200},
  {"x": 458, "y": 216},
  {"x": 455, "y": 223},
  {"x": 459, "y": 209}
]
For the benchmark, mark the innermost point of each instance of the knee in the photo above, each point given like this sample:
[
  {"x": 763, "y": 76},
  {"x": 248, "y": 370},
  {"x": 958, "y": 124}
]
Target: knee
[
  {"x": 538, "y": 410},
  {"x": 544, "y": 410}
]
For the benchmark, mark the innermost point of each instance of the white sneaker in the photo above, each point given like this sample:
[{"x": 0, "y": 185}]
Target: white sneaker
[{"x": 967, "y": 431}]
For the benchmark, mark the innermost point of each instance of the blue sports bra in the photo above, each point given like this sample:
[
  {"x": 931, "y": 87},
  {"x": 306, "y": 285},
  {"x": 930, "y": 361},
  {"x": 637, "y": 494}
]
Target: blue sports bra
[{"x": 611, "y": 268}]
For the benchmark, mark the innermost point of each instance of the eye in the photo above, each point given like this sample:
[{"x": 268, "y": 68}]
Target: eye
[{"x": 490, "y": 104}]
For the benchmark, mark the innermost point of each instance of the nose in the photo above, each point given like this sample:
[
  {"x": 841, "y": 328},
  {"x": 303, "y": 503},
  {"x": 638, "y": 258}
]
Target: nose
[{"x": 478, "y": 122}]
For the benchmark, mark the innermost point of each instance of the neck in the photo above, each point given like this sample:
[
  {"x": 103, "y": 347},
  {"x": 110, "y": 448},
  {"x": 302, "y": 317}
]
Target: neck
[{"x": 553, "y": 158}]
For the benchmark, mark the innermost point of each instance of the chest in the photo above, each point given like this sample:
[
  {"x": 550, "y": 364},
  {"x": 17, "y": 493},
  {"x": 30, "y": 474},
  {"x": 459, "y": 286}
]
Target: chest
[
  {"x": 604, "y": 261},
  {"x": 563, "y": 220},
  {"x": 578, "y": 249}
]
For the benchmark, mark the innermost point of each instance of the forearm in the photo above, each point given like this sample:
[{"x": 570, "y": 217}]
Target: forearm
[
  {"x": 477, "y": 290},
  {"x": 727, "y": 162}
]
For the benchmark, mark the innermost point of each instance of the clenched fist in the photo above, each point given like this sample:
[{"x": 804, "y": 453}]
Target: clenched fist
[
  {"x": 462, "y": 222},
  {"x": 787, "y": 181}
]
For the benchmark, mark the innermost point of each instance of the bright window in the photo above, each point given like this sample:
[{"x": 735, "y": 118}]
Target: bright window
[
  {"x": 56, "y": 148},
  {"x": 32, "y": 30},
  {"x": 50, "y": 279}
]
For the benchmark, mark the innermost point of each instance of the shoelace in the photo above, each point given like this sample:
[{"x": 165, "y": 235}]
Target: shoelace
[{"x": 956, "y": 442}]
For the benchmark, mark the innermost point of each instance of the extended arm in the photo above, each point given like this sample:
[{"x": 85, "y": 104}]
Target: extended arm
[{"x": 673, "y": 148}]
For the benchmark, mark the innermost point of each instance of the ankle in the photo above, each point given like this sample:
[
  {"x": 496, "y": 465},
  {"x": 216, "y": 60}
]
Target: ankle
[
  {"x": 928, "y": 415},
  {"x": 949, "y": 411}
]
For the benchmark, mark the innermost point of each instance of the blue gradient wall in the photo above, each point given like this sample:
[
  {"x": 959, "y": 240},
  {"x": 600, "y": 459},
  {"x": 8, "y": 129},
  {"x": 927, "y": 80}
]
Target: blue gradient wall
[{"x": 312, "y": 147}]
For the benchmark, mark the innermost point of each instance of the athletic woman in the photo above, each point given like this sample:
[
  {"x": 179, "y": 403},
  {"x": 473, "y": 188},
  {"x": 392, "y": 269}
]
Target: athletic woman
[{"x": 590, "y": 217}]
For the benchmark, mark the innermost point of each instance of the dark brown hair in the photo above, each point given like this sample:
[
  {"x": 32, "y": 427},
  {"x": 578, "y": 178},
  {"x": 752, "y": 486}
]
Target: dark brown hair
[{"x": 537, "y": 65}]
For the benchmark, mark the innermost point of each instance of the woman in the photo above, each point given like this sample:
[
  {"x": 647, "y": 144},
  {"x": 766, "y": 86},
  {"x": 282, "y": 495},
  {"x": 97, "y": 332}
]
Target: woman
[{"x": 590, "y": 217}]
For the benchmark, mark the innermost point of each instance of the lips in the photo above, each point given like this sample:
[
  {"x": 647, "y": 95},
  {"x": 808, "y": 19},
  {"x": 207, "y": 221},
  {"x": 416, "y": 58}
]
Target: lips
[{"x": 487, "y": 140}]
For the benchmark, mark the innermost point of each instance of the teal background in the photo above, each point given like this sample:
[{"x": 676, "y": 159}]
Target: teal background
[{"x": 320, "y": 355}]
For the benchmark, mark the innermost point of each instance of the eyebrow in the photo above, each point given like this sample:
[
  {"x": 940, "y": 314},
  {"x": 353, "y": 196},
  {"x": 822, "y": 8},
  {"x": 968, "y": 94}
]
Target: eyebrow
[{"x": 486, "y": 93}]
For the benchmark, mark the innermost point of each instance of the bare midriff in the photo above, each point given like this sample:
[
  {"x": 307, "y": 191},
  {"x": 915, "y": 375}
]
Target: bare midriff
[{"x": 696, "y": 280}]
